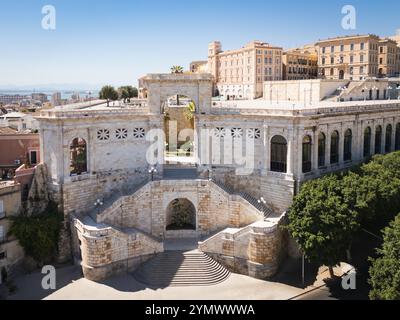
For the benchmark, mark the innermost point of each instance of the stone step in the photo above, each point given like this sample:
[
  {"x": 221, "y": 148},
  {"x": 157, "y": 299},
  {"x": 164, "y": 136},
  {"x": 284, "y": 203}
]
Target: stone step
[{"x": 175, "y": 268}]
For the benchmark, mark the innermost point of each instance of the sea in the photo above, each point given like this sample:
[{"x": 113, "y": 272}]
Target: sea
[{"x": 65, "y": 94}]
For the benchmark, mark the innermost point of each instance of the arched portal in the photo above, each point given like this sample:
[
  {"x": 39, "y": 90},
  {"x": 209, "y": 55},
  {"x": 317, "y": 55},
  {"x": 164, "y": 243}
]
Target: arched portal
[
  {"x": 179, "y": 115},
  {"x": 181, "y": 215},
  {"x": 78, "y": 156}
]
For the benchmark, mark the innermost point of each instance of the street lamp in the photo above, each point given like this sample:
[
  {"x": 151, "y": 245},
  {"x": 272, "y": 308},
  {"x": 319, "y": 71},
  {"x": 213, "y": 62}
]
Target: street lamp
[
  {"x": 209, "y": 174},
  {"x": 152, "y": 171},
  {"x": 98, "y": 204},
  {"x": 262, "y": 201}
]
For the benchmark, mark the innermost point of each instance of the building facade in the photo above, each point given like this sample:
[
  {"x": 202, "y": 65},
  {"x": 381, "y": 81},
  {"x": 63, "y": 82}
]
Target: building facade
[
  {"x": 198, "y": 67},
  {"x": 103, "y": 154},
  {"x": 350, "y": 58},
  {"x": 389, "y": 62},
  {"x": 300, "y": 64},
  {"x": 11, "y": 253},
  {"x": 240, "y": 74}
]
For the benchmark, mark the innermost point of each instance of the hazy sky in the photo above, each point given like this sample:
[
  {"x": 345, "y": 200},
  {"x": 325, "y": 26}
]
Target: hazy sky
[{"x": 102, "y": 41}]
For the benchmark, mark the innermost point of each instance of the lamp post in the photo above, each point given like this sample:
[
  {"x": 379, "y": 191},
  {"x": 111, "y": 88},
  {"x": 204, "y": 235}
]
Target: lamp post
[
  {"x": 98, "y": 204},
  {"x": 262, "y": 201},
  {"x": 152, "y": 171},
  {"x": 209, "y": 174}
]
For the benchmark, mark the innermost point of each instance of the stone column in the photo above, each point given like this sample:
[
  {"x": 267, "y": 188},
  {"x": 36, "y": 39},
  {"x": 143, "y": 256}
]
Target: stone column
[
  {"x": 314, "y": 151},
  {"x": 290, "y": 152},
  {"x": 266, "y": 149},
  {"x": 328, "y": 148}
]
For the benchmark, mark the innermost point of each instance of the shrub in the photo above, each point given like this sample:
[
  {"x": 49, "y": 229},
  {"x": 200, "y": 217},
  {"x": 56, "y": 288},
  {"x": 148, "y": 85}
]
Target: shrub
[{"x": 38, "y": 234}]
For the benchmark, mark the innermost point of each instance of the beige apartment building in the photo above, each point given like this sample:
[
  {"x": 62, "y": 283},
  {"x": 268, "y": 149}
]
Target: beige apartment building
[
  {"x": 241, "y": 73},
  {"x": 199, "y": 67},
  {"x": 300, "y": 63},
  {"x": 349, "y": 57},
  {"x": 389, "y": 58}
]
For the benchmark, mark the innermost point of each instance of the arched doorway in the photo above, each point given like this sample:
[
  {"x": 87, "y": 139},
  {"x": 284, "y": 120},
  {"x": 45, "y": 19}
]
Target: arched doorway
[
  {"x": 179, "y": 115},
  {"x": 181, "y": 215},
  {"x": 278, "y": 154},
  {"x": 341, "y": 74},
  {"x": 78, "y": 156}
]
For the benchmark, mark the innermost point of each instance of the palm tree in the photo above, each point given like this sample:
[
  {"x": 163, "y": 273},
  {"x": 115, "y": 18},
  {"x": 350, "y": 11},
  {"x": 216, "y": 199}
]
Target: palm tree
[
  {"x": 108, "y": 93},
  {"x": 177, "y": 69}
]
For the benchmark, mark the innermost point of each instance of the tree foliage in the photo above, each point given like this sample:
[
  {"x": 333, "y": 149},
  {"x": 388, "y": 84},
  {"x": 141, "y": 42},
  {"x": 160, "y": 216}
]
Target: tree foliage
[
  {"x": 328, "y": 212},
  {"x": 385, "y": 269},
  {"x": 176, "y": 69},
  {"x": 38, "y": 234},
  {"x": 108, "y": 93},
  {"x": 321, "y": 221},
  {"x": 126, "y": 93}
]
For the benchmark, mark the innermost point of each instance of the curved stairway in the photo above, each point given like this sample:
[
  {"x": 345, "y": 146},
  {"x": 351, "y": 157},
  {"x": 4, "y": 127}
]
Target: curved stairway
[{"x": 178, "y": 268}]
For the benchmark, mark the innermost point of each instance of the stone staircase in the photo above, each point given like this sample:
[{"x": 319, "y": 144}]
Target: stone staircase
[
  {"x": 250, "y": 199},
  {"x": 178, "y": 268}
]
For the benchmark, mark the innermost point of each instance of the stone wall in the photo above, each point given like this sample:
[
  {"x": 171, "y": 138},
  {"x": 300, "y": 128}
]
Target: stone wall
[
  {"x": 255, "y": 250},
  {"x": 107, "y": 251},
  {"x": 146, "y": 209}
]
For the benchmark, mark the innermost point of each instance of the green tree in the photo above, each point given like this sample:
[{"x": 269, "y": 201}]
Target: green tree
[
  {"x": 108, "y": 93},
  {"x": 322, "y": 222},
  {"x": 176, "y": 69},
  {"x": 127, "y": 93},
  {"x": 38, "y": 234},
  {"x": 190, "y": 110},
  {"x": 385, "y": 269}
]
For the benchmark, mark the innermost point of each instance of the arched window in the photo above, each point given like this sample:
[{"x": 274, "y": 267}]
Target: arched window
[
  {"x": 306, "y": 154},
  {"x": 334, "y": 147},
  {"x": 367, "y": 142},
  {"x": 347, "y": 145},
  {"x": 78, "y": 156},
  {"x": 397, "y": 140},
  {"x": 378, "y": 140},
  {"x": 321, "y": 149},
  {"x": 388, "y": 138},
  {"x": 278, "y": 154}
]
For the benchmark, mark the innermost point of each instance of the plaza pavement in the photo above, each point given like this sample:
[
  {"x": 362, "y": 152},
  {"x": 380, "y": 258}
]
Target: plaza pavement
[{"x": 72, "y": 286}]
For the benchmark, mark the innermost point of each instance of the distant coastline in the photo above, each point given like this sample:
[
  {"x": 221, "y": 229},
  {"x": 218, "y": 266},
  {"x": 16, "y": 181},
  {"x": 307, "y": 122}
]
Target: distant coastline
[{"x": 65, "y": 94}]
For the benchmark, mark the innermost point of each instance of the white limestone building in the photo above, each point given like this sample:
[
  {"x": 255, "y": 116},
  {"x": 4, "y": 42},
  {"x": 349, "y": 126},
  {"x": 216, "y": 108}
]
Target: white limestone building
[{"x": 99, "y": 153}]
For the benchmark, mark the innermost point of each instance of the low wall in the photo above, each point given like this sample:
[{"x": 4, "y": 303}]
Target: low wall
[
  {"x": 108, "y": 251},
  {"x": 255, "y": 250}
]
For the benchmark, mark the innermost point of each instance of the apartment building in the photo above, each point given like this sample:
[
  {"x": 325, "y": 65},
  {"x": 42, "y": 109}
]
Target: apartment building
[
  {"x": 198, "y": 67},
  {"x": 11, "y": 253},
  {"x": 388, "y": 58},
  {"x": 349, "y": 57},
  {"x": 241, "y": 73},
  {"x": 300, "y": 63}
]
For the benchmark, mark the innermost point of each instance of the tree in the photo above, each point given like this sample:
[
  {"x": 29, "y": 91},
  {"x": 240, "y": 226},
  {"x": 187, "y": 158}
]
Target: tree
[
  {"x": 385, "y": 269},
  {"x": 190, "y": 110},
  {"x": 108, "y": 93},
  {"x": 176, "y": 69},
  {"x": 322, "y": 222},
  {"x": 127, "y": 93}
]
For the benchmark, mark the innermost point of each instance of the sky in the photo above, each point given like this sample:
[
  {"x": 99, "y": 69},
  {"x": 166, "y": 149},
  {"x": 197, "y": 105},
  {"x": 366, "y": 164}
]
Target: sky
[{"x": 98, "y": 42}]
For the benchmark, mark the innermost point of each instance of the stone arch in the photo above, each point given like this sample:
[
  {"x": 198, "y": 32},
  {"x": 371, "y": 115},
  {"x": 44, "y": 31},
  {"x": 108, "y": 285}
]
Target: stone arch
[
  {"x": 181, "y": 215},
  {"x": 161, "y": 86},
  {"x": 78, "y": 156},
  {"x": 278, "y": 154}
]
